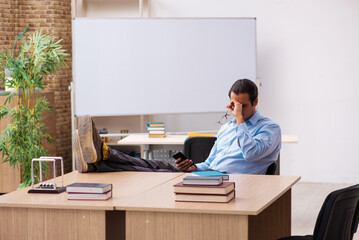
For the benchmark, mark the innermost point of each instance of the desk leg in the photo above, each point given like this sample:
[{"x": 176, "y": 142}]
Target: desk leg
[
  {"x": 274, "y": 222},
  {"x": 146, "y": 151},
  {"x": 39, "y": 224}
]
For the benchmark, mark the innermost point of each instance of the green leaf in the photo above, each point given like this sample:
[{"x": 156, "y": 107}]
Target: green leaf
[
  {"x": 20, "y": 36},
  {"x": 25, "y": 135}
]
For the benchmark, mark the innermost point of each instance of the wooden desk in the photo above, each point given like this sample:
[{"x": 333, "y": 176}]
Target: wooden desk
[
  {"x": 261, "y": 210},
  {"x": 143, "y": 207},
  {"x": 52, "y": 216}
]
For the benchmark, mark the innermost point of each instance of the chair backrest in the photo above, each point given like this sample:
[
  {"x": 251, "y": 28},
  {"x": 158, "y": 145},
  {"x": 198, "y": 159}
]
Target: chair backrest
[
  {"x": 198, "y": 148},
  {"x": 338, "y": 217},
  {"x": 271, "y": 170},
  {"x": 355, "y": 222}
]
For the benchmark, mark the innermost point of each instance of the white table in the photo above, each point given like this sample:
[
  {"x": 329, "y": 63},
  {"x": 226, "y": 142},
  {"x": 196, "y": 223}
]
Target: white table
[
  {"x": 170, "y": 140},
  {"x": 144, "y": 139}
]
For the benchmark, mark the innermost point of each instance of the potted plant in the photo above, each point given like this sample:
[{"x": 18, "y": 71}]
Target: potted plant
[{"x": 23, "y": 139}]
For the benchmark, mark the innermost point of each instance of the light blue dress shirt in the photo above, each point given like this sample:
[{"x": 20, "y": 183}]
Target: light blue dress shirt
[{"x": 248, "y": 148}]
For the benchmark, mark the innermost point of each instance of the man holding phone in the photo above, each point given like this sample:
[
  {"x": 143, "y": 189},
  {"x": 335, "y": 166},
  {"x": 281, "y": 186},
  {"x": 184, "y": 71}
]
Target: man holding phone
[{"x": 246, "y": 145}]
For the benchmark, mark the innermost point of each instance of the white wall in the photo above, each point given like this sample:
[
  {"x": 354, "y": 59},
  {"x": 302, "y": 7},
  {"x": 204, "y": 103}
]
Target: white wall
[{"x": 308, "y": 62}]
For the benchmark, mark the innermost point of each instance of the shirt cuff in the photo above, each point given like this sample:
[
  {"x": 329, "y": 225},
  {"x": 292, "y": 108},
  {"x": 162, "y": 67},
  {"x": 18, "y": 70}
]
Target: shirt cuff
[{"x": 201, "y": 166}]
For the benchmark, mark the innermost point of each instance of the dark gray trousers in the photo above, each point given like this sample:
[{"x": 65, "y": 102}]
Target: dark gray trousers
[{"x": 118, "y": 162}]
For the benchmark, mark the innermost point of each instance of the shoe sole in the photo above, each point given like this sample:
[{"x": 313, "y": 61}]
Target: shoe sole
[
  {"x": 86, "y": 139},
  {"x": 80, "y": 163}
]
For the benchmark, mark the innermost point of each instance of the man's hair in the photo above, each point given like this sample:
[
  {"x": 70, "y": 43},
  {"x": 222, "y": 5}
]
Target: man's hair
[{"x": 245, "y": 86}]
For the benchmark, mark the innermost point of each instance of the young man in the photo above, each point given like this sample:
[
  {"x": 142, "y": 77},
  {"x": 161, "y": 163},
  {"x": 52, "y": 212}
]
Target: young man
[{"x": 246, "y": 145}]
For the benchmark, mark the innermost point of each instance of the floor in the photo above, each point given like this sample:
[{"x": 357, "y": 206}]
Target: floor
[{"x": 307, "y": 199}]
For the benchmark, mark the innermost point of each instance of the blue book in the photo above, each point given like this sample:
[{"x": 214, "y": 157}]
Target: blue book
[
  {"x": 211, "y": 173},
  {"x": 155, "y": 124}
]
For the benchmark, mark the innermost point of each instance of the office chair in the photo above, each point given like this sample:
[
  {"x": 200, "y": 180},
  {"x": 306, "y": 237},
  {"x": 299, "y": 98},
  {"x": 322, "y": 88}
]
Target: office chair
[
  {"x": 338, "y": 218},
  {"x": 198, "y": 148},
  {"x": 273, "y": 169}
]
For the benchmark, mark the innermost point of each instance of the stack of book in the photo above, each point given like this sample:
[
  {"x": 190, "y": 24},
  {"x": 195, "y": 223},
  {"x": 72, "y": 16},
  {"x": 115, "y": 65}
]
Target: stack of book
[
  {"x": 89, "y": 191},
  {"x": 204, "y": 189},
  {"x": 156, "y": 129},
  {"x": 103, "y": 131}
]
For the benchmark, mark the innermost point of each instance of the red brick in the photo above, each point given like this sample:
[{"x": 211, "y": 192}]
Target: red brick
[{"x": 53, "y": 16}]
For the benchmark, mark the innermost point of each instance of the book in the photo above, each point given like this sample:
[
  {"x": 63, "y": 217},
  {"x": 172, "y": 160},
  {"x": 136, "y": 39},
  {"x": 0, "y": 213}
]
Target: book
[
  {"x": 223, "y": 188},
  {"x": 157, "y": 135},
  {"x": 221, "y": 198},
  {"x": 89, "y": 187},
  {"x": 102, "y": 130},
  {"x": 211, "y": 173},
  {"x": 89, "y": 196},
  {"x": 155, "y": 128},
  {"x": 192, "y": 134},
  {"x": 156, "y": 132},
  {"x": 155, "y": 124},
  {"x": 199, "y": 180}
]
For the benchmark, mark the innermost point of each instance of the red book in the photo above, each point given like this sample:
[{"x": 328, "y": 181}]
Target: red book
[
  {"x": 223, "y": 188},
  {"x": 190, "y": 197},
  {"x": 89, "y": 196}
]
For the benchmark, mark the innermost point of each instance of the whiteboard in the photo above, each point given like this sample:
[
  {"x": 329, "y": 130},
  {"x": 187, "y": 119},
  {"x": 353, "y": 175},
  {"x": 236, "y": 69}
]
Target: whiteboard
[{"x": 160, "y": 66}]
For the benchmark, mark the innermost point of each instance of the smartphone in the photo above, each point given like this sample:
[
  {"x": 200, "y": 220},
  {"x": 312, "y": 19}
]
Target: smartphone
[{"x": 180, "y": 155}]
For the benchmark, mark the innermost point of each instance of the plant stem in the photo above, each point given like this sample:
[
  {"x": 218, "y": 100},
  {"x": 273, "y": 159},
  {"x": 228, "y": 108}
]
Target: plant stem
[
  {"x": 33, "y": 95},
  {"x": 13, "y": 50}
]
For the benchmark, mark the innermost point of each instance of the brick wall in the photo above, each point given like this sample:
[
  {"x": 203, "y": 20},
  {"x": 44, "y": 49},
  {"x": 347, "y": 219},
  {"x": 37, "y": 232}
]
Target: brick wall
[
  {"x": 52, "y": 16},
  {"x": 7, "y": 24}
]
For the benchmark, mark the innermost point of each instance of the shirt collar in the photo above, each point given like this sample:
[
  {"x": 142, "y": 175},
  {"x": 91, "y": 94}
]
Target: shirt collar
[{"x": 253, "y": 120}]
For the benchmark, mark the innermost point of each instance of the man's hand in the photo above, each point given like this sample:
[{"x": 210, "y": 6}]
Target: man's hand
[
  {"x": 185, "y": 165},
  {"x": 236, "y": 109}
]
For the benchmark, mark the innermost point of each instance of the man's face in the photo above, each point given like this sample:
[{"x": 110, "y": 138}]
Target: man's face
[{"x": 247, "y": 108}]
